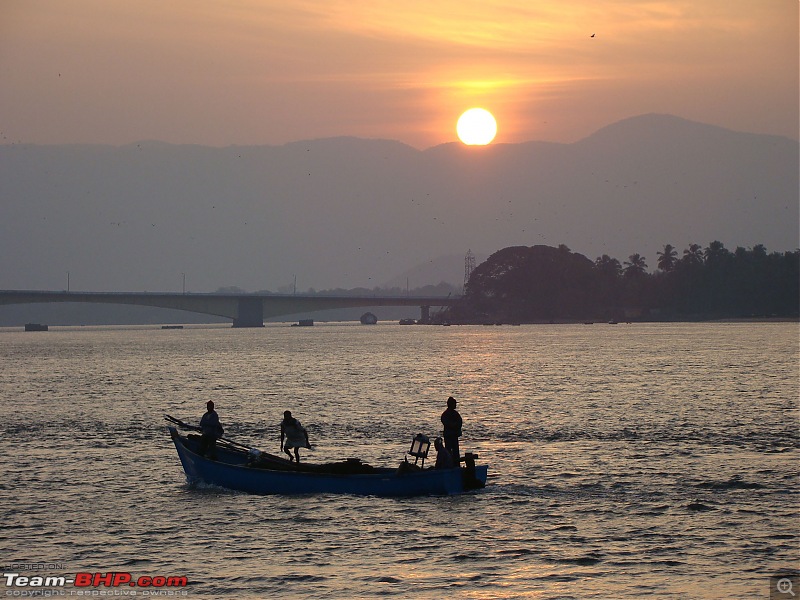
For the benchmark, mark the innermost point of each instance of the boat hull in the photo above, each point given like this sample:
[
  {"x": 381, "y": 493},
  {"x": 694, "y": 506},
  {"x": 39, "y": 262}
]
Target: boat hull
[{"x": 231, "y": 471}]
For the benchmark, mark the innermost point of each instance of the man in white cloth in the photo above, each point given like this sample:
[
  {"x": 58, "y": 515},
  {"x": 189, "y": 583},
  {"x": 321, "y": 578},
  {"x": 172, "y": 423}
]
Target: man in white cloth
[{"x": 295, "y": 435}]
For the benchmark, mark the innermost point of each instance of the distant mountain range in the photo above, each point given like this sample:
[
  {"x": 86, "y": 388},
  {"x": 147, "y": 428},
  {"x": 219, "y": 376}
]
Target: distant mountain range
[{"x": 347, "y": 212}]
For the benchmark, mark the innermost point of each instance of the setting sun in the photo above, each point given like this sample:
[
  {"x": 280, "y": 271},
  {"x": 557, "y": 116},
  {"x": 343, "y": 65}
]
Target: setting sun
[{"x": 476, "y": 127}]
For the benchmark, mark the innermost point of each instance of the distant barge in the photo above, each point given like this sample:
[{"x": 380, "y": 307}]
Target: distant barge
[{"x": 35, "y": 327}]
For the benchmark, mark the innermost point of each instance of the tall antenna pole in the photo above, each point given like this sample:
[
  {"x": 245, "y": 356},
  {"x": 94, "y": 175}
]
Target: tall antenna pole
[{"x": 469, "y": 267}]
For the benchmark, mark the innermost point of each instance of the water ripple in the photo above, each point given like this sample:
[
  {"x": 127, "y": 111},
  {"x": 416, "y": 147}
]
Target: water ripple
[{"x": 626, "y": 463}]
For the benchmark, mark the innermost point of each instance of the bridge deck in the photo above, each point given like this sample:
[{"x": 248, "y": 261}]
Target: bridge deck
[{"x": 246, "y": 310}]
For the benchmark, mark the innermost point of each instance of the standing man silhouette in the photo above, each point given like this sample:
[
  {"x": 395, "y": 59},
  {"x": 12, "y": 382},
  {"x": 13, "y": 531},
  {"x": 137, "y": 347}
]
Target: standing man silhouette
[
  {"x": 452, "y": 429},
  {"x": 295, "y": 435},
  {"x": 211, "y": 430}
]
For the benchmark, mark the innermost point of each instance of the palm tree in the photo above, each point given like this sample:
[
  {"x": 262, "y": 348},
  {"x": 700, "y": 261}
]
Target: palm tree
[
  {"x": 634, "y": 266},
  {"x": 716, "y": 253},
  {"x": 693, "y": 255},
  {"x": 608, "y": 266},
  {"x": 609, "y": 289},
  {"x": 668, "y": 258}
]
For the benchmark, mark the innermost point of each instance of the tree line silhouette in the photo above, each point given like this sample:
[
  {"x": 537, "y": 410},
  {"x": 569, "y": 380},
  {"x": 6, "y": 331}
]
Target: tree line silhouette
[{"x": 543, "y": 283}]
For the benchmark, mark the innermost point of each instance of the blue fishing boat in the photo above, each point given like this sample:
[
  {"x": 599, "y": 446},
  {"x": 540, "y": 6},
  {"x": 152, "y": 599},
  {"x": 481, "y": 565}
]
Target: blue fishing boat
[{"x": 237, "y": 467}]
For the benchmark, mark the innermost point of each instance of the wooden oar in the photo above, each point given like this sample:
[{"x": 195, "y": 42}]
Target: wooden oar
[{"x": 181, "y": 424}]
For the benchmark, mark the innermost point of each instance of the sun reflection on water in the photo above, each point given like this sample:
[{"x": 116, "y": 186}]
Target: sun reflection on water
[{"x": 623, "y": 461}]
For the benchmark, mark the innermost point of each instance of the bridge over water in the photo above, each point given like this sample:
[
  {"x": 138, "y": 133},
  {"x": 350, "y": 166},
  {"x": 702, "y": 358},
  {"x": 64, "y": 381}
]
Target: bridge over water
[{"x": 246, "y": 310}]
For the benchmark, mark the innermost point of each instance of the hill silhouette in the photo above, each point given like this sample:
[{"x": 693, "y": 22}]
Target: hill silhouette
[{"x": 349, "y": 212}]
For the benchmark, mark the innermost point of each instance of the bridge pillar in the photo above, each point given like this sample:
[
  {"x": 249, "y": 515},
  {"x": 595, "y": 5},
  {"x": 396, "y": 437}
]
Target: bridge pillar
[
  {"x": 425, "y": 314},
  {"x": 251, "y": 313}
]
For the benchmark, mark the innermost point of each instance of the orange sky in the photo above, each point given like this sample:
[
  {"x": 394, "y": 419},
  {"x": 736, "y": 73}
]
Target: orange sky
[{"x": 222, "y": 72}]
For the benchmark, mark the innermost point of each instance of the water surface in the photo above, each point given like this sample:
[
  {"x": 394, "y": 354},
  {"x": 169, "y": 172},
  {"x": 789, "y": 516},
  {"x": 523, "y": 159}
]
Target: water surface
[{"x": 626, "y": 461}]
